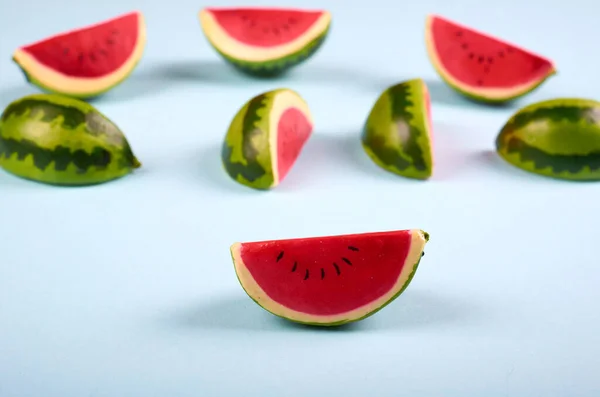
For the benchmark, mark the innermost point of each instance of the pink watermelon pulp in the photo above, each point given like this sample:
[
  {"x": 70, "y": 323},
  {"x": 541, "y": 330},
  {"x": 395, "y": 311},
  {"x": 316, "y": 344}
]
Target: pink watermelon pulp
[
  {"x": 87, "y": 61},
  {"x": 293, "y": 130},
  {"x": 265, "y": 41},
  {"x": 329, "y": 280},
  {"x": 480, "y": 66}
]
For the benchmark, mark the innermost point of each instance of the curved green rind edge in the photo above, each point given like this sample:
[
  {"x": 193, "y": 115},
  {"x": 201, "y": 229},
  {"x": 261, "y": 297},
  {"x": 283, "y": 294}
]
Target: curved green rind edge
[
  {"x": 400, "y": 103},
  {"x": 246, "y": 153},
  {"x": 474, "y": 95},
  {"x": 102, "y": 154},
  {"x": 558, "y": 116},
  {"x": 347, "y": 321},
  {"x": 276, "y": 66},
  {"x": 85, "y": 96}
]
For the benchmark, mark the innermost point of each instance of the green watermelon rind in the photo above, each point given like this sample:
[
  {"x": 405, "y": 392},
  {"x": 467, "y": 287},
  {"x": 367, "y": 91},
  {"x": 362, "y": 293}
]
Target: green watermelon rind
[
  {"x": 379, "y": 119},
  {"x": 90, "y": 95},
  {"x": 411, "y": 275},
  {"x": 583, "y": 114},
  {"x": 475, "y": 97},
  {"x": 102, "y": 152},
  {"x": 253, "y": 117},
  {"x": 277, "y": 66}
]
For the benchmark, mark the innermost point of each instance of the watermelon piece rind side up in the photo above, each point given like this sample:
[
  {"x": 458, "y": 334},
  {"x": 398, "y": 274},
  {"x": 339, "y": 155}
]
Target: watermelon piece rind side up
[
  {"x": 495, "y": 96},
  {"x": 79, "y": 145},
  {"x": 419, "y": 239},
  {"x": 557, "y": 138},
  {"x": 249, "y": 150},
  {"x": 51, "y": 81},
  {"x": 269, "y": 66},
  {"x": 397, "y": 135}
]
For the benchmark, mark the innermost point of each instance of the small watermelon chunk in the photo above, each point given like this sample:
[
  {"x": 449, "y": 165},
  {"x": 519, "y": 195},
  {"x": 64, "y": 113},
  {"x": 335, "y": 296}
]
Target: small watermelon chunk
[
  {"x": 329, "y": 280},
  {"x": 558, "y": 138},
  {"x": 265, "y": 138},
  {"x": 88, "y": 61},
  {"x": 265, "y": 41},
  {"x": 62, "y": 141},
  {"x": 398, "y": 134},
  {"x": 482, "y": 67}
]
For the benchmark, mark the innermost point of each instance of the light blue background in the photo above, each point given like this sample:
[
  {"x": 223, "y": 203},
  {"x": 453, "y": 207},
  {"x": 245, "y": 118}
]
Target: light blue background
[{"x": 127, "y": 289}]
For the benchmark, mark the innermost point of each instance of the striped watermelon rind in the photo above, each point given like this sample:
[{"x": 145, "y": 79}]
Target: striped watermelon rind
[
  {"x": 397, "y": 133},
  {"x": 558, "y": 138},
  {"x": 249, "y": 152},
  {"x": 63, "y": 141},
  {"x": 264, "y": 62}
]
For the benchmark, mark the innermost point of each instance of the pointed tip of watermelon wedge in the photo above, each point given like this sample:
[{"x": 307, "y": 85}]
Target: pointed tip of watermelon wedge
[
  {"x": 332, "y": 280},
  {"x": 136, "y": 163},
  {"x": 474, "y": 78},
  {"x": 65, "y": 64},
  {"x": 272, "y": 41}
]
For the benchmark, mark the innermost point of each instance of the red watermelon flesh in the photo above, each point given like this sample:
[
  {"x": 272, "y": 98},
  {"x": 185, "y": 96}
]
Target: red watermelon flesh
[
  {"x": 478, "y": 59},
  {"x": 293, "y": 130},
  {"x": 92, "y": 51},
  {"x": 264, "y": 27},
  {"x": 328, "y": 275}
]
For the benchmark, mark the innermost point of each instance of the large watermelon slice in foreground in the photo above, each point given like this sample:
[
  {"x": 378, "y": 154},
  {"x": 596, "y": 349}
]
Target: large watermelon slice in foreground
[
  {"x": 265, "y": 41},
  {"x": 329, "y": 280},
  {"x": 266, "y": 137},
  {"x": 87, "y": 61},
  {"x": 480, "y": 66}
]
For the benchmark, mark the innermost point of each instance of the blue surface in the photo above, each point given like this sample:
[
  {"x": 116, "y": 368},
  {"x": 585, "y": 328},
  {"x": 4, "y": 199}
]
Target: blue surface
[{"x": 127, "y": 289}]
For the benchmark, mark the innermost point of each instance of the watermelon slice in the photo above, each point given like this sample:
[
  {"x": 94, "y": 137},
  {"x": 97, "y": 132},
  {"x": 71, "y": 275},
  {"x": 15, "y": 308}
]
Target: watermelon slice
[
  {"x": 482, "y": 67},
  {"x": 558, "y": 138},
  {"x": 88, "y": 61},
  {"x": 265, "y": 41},
  {"x": 397, "y": 135},
  {"x": 266, "y": 137},
  {"x": 329, "y": 280}
]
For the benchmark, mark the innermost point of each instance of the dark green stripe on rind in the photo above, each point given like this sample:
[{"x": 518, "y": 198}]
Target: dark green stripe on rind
[
  {"x": 558, "y": 138},
  {"x": 63, "y": 141},
  {"x": 61, "y": 156},
  {"x": 278, "y": 66},
  {"x": 43, "y": 109},
  {"x": 245, "y": 151},
  {"x": 395, "y": 135},
  {"x": 559, "y": 163}
]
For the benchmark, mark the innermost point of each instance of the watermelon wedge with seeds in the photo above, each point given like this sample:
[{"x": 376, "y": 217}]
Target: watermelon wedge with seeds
[
  {"x": 329, "y": 281},
  {"x": 87, "y": 61},
  {"x": 265, "y": 41},
  {"x": 482, "y": 67}
]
